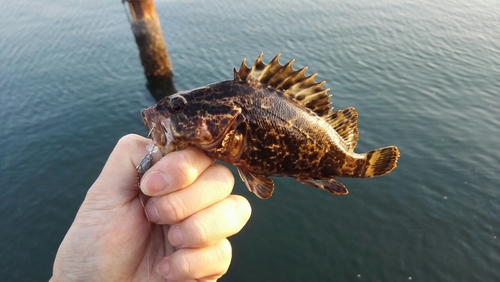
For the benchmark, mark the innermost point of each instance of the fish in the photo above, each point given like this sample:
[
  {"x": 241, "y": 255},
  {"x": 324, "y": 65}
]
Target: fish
[{"x": 269, "y": 120}]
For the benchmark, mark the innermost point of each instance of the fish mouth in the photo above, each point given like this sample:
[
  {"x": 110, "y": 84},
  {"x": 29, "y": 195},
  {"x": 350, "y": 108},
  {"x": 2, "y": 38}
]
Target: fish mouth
[
  {"x": 159, "y": 128},
  {"x": 149, "y": 119}
]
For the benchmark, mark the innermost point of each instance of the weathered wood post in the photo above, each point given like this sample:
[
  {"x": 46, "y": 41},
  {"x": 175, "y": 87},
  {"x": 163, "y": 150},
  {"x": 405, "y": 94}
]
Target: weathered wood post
[{"x": 152, "y": 49}]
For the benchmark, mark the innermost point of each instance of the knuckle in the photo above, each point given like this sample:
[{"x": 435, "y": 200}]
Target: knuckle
[
  {"x": 224, "y": 255},
  {"x": 201, "y": 232},
  {"x": 185, "y": 267},
  {"x": 224, "y": 174},
  {"x": 244, "y": 209},
  {"x": 225, "y": 249},
  {"x": 221, "y": 178},
  {"x": 173, "y": 209},
  {"x": 185, "y": 171},
  {"x": 127, "y": 141},
  {"x": 210, "y": 262}
]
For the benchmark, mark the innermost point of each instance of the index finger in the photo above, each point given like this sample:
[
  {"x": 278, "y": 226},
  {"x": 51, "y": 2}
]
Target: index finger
[{"x": 175, "y": 171}]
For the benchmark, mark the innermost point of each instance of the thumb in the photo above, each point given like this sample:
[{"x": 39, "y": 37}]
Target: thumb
[{"x": 118, "y": 182}]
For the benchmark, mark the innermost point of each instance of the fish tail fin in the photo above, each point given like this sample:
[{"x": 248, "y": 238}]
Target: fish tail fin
[{"x": 380, "y": 161}]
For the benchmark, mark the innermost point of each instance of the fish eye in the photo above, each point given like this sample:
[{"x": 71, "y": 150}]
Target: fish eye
[{"x": 176, "y": 105}]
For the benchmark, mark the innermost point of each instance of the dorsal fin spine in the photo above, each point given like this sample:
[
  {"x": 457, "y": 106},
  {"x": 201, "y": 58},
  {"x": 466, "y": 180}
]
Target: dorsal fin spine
[
  {"x": 243, "y": 72},
  {"x": 283, "y": 71},
  {"x": 257, "y": 68},
  {"x": 293, "y": 83},
  {"x": 294, "y": 78},
  {"x": 270, "y": 70},
  {"x": 306, "y": 87}
]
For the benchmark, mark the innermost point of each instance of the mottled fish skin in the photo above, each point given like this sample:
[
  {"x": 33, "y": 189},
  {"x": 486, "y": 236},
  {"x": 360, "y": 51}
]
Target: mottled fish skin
[{"x": 269, "y": 121}]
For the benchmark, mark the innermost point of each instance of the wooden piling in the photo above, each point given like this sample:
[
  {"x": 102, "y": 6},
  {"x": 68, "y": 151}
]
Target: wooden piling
[{"x": 152, "y": 48}]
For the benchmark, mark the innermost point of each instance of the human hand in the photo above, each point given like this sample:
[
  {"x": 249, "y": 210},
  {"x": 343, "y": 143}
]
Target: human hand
[{"x": 191, "y": 210}]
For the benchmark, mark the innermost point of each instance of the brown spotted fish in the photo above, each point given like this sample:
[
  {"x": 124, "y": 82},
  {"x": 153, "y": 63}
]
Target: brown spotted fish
[{"x": 270, "y": 120}]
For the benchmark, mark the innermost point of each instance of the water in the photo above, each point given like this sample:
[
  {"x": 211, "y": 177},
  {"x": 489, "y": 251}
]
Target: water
[{"x": 422, "y": 75}]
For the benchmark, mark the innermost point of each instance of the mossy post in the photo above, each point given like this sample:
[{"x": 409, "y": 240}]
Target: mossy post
[{"x": 152, "y": 49}]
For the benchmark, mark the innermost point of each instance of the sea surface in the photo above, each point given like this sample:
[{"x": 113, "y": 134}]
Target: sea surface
[{"x": 423, "y": 75}]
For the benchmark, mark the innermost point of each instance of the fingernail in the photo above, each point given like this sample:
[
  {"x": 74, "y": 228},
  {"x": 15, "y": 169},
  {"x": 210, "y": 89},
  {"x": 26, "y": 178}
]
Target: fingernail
[
  {"x": 154, "y": 183},
  {"x": 175, "y": 236},
  {"x": 163, "y": 268},
  {"x": 152, "y": 212}
]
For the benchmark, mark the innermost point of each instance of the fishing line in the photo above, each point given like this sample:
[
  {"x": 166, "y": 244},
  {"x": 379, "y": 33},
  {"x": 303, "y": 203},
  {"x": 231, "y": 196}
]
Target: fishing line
[{"x": 127, "y": 11}]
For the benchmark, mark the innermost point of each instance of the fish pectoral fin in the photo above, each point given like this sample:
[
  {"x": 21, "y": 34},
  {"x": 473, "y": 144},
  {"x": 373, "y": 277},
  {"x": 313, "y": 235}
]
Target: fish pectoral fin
[
  {"x": 261, "y": 185},
  {"x": 329, "y": 185},
  {"x": 234, "y": 141}
]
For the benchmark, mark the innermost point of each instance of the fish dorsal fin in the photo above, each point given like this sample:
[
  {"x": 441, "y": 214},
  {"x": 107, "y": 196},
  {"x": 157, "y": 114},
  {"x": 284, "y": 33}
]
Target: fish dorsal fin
[
  {"x": 345, "y": 122},
  {"x": 293, "y": 83}
]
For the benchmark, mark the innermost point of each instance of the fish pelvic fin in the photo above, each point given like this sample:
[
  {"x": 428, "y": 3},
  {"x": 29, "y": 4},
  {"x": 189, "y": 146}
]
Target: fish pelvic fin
[
  {"x": 381, "y": 161},
  {"x": 294, "y": 83},
  {"x": 261, "y": 185},
  {"x": 329, "y": 185}
]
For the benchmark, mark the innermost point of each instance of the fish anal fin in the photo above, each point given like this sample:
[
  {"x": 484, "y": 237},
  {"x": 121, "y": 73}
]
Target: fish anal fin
[
  {"x": 261, "y": 185},
  {"x": 345, "y": 122},
  {"x": 329, "y": 185}
]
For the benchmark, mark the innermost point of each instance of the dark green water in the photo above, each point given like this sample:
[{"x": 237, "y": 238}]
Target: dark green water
[{"x": 423, "y": 76}]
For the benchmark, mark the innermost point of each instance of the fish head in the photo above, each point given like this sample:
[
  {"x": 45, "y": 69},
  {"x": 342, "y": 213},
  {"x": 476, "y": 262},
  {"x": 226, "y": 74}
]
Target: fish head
[{"x": 197, "y": 117}]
